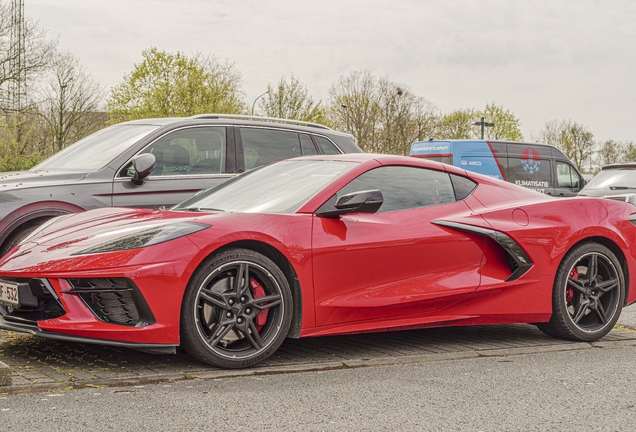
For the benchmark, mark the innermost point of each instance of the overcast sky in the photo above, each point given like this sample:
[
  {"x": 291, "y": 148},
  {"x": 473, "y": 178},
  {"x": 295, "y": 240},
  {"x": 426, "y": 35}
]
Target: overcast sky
[{"x": 542, "y": 59}]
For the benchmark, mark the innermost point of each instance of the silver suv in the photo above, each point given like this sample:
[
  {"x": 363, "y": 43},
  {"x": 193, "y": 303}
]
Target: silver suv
[{"x": 153, "y": 163}]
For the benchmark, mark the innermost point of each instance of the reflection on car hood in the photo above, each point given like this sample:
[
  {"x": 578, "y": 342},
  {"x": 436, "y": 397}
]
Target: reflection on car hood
[
  {"x": 19, "y": 179},
  {"x": 93, "y": 227}
]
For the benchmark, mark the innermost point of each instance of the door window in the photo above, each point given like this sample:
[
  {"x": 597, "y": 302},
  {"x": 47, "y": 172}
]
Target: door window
[
  {"x": 192, "y": 151},
  {"x": 263, "y": 146},
  {"x": 567, "y": 177},
  {"x": 402, "y": 188}
]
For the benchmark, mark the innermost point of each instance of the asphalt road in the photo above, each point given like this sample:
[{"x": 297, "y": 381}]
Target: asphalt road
[{"x": 572, "y": 390}]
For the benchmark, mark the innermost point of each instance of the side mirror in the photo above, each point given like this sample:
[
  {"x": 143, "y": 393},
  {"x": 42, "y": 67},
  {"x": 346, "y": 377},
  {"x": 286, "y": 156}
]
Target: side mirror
[
  {"x": 143, "y": 164},
  {"x": 368, "y": 201}
]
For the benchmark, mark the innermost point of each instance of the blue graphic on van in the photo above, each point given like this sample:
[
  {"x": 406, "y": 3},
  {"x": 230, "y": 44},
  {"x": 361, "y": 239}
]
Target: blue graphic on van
[
  {"x": 472, "y": 155},
  {"x": 531, "y": 160}
]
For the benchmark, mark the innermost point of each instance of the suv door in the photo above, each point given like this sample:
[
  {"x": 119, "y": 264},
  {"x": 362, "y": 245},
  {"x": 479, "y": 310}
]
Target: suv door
[{"x": 188, "y": 160}]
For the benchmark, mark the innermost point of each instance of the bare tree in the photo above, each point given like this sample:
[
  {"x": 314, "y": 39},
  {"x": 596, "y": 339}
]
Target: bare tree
[
  {"x": 574, "y": 139},
  {"x": 383, "y": 117},
  {"x": 610, "y": 152},
  {"x": 353, "y": 107},
  {"x": 71, "y": 106}
]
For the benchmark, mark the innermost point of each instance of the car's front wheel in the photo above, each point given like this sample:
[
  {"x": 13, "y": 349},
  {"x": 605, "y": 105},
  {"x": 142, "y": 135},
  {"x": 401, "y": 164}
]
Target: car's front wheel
[
  {"x": 588, "y": 294},
  {"x": 236, "y": 310}
]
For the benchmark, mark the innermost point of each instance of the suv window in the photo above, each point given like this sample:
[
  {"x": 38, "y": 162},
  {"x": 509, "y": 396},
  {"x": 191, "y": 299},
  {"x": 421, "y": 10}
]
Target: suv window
[
  {"x": 263, "y": 146},
  {"x": 307, "y": 145},
  {"x": 567, "y": 177},
  {"x": 326, "y": 146},
  {"x": 402, "y": 188},
  {"x": 198, "y": 150}
]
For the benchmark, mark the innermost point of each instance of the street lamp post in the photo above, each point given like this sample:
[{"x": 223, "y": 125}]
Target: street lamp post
[
  {"x": 346, "y": 108},
  {"x": 60, "y": 133},
  {"x": 483, "y": 124},
  {"x": 254, "y": 104}
]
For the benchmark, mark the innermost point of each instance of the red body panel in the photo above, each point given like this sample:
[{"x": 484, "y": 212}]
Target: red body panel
[{"x": 356, "y": 273}]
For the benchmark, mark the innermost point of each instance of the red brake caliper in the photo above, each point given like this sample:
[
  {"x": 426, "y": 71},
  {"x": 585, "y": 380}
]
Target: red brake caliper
[
  {"x": 258, "y": 292},
  {"x": 574, "y": 274}
]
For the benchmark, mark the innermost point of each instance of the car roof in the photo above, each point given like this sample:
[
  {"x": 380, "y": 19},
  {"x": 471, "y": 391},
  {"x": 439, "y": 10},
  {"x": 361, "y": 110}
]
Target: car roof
[
  {"x": 631, "y": 165},
  {"x": 523, "y": 143},
  {"x": 384, "y": 159},
  {"x": 241, "y": 120}
]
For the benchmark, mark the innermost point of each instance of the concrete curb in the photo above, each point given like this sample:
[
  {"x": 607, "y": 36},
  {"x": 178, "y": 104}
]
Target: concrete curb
[
  {"x": 5, "y": 375},
  {"x": 297, "y": 368}
]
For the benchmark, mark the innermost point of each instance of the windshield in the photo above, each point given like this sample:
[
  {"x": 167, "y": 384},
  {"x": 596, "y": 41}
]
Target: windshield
[
  {"x": 97, "y": 150},
  {"x": 278, "y": 188},
  {"x": 614, "y": 179}
]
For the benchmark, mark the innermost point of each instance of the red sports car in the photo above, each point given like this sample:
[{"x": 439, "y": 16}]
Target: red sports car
[{"x": 321, "y": 246}]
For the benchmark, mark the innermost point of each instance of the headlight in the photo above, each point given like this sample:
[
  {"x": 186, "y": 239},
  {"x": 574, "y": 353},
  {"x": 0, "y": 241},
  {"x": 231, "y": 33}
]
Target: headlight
[{"x": 144, "y": 238}]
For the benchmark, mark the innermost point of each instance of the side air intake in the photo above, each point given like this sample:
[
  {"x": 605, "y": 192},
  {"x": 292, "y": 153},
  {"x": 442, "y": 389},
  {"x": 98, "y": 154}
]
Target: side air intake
[{"x": 518, "y": 261}]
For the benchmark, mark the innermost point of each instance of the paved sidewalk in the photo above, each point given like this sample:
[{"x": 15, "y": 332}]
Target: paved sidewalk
[
  {"x": 39, "y": 364},
  {"x": 628, "y": 317}
]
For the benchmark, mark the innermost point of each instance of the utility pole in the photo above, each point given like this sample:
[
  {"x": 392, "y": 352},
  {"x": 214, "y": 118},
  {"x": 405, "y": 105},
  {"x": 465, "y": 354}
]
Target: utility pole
[
  {"x": 483, "y": 124},
  {"x": 17, "y": 86},
  {"x": 346, "y": 108},
  {"x": 60, "y": 133}
]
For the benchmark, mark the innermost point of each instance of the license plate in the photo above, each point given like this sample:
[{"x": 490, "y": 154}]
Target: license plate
[{"x": 9, "y": 293}]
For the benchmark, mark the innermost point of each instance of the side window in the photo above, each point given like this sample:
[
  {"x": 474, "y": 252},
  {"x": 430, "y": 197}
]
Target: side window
[
  {"x": 307, "y": 145},
  {"x": 567, "y": 177},
  {"x": 326, "y": 146},
  {"x": 402, "y": 188},
  {"x": 198, "y": 150},
  {"x": 529, "y": 172},
  {"x": 463, "y": 187},
  {"x": 263, "y": 146}
]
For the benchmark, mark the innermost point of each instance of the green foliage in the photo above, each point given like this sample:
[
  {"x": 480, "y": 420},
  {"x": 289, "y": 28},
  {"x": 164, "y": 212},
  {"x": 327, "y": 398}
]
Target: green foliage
[
  {"x": 172, "y": 85},
  {"x": 17, "y": 144},
  {"x": 611, "y": 152},
  {"x": 292, "y": 101},
  {"x": 457, "y": 125},
  {"x": 506, "y": 124},
  {"x": 629, "y": 152}
]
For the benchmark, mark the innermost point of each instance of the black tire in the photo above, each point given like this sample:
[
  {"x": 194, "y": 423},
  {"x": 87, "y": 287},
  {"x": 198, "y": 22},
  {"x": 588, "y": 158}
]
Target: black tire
[
  {"x": 235, "y": 322},
  {"x": 18, "y": 235},
  {"x": 588, "y": 294}
]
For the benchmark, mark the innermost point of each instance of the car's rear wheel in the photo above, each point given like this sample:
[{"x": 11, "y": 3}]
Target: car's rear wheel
[
  {"x": 236, "y": 310},
  {"x": 588, "y": 294}
]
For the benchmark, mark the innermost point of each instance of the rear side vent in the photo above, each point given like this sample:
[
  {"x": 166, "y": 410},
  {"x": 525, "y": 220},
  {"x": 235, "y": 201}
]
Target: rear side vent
[
  {"x": 113, "y": 300},
  {"x": 518, "y": 261}
]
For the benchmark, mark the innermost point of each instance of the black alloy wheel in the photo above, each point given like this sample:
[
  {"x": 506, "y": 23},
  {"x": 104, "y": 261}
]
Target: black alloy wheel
[
  {"x": 588, "y": 294},
  {"x": 236, "y": 311}
]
